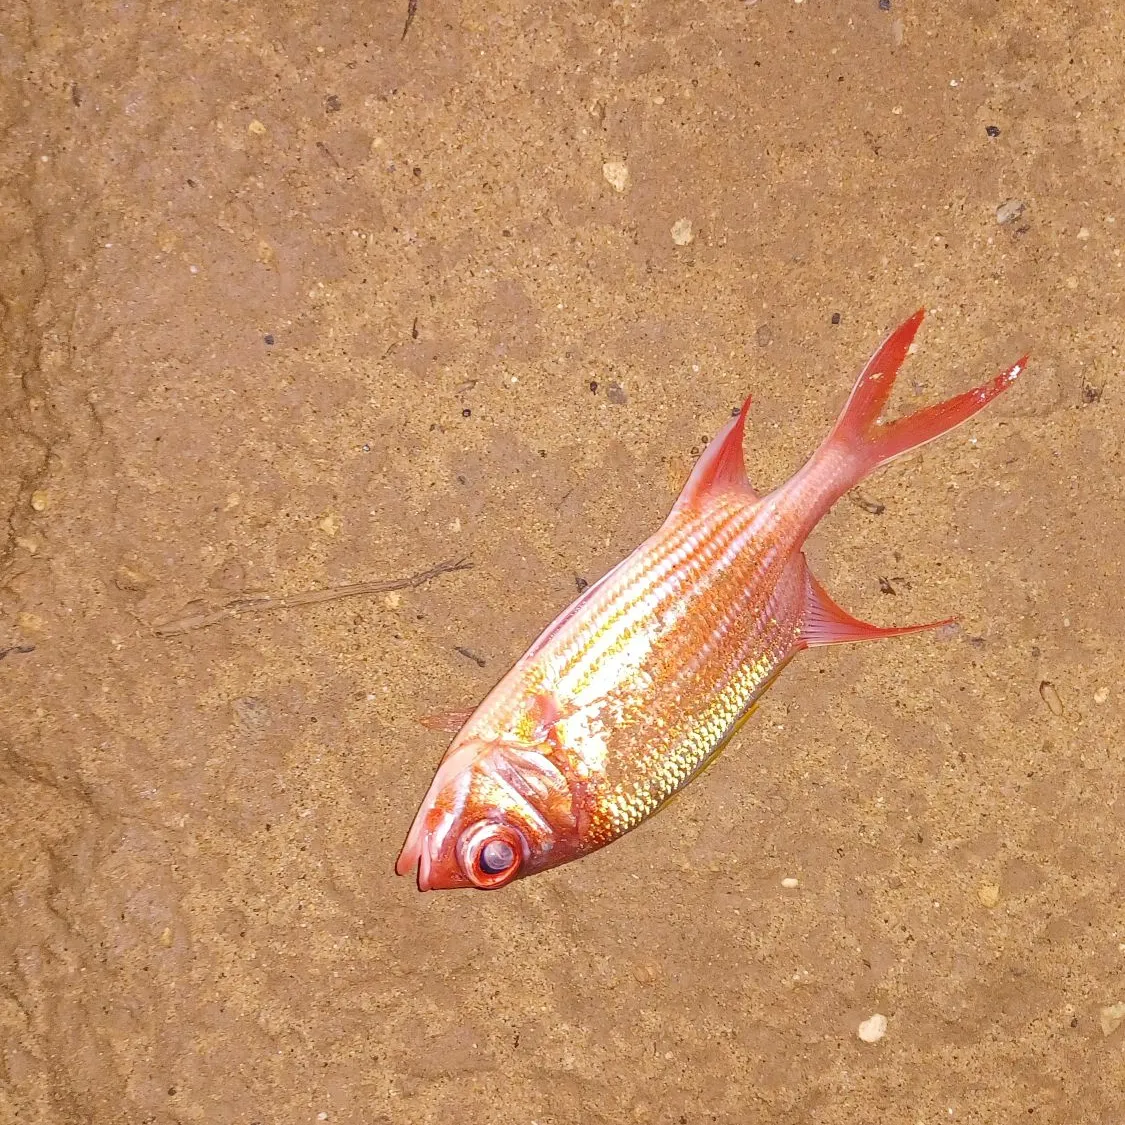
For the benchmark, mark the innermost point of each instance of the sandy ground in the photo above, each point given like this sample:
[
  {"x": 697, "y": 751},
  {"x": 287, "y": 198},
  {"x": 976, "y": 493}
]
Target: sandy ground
[{"x": 289, "y": 302}]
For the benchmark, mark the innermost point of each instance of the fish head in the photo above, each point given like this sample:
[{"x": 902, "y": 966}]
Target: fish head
[{"x": 495, "y": 812}]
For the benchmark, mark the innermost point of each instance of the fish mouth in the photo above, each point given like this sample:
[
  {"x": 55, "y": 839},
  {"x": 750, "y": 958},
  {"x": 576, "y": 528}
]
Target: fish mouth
[
  {"x": 431, "y": 825},
  {"x": 420, "y": 848}
]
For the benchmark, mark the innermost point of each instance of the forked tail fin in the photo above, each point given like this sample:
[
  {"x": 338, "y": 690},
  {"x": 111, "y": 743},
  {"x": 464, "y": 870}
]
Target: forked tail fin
[
  {"x": 859, "y": 442},
  {"x": 870, "y": 443}
]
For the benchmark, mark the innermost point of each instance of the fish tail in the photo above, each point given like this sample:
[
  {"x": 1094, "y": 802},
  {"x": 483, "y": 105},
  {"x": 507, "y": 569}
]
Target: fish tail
[
  {"x": 870, "y": 443},
  {"x": 859, "y": 443}
]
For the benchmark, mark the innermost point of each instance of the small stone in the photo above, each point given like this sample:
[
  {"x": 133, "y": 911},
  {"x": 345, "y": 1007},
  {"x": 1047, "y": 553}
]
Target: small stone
[
  {"x": 257, "y": 128},
  {"x": 790, "y": 884},
  {"x": 1084, "y": 233},
  {"x": 616, "y": 174},
  {"x": 1101, "y": 695},
  {"x": 30, "y": 623},
  {"x": 131, "y": 578},
  {"x": 992, "y": 130},
  {"x": 26, "y": 543},
  {"x": 988, "y": 894},
  {"x": 616, "y": 394},
  {"x": 330, "y": 525},
  {"x": 763, "y": 335},
  {"x": 1112, "y": 1017},
  {"x": 392, "y": 600},
  {"x": 166, "y": 937},
  {"x": 873, "y": 1028},
  {"x": 40, "y": 499},
  {"x": 1010, "y": 210},
  {"x": 681, "y": 232}
]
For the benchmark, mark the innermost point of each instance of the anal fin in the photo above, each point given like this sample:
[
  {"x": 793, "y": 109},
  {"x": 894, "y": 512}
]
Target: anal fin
[{"x": 825, "y": 623}]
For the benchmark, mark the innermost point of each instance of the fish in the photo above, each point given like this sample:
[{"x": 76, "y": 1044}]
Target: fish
[{"x": 638, "y": 685}]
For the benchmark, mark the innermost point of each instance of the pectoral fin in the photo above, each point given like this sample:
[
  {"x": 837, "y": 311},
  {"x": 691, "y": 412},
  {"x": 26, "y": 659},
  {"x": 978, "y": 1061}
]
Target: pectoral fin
[{"x": 449, "y": 721}]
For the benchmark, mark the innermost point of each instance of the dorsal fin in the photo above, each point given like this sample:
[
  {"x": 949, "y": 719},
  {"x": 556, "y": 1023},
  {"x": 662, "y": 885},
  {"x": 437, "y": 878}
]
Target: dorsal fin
[{"x": 721, "y": 470}]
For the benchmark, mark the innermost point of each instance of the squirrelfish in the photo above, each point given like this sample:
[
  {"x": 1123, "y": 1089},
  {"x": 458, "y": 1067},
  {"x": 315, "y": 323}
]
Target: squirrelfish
[{"x": 636, "y": 687}]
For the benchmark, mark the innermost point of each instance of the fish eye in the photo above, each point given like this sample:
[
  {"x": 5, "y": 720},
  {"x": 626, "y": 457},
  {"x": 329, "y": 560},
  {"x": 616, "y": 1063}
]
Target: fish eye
[
  {"x": 491, "y": 854},
  {"x": 496, "y": 856}
]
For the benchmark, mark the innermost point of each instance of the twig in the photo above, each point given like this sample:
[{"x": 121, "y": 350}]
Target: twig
[
  {"x": 411, "y": 12},
  {"x": 267, "y": 604}
]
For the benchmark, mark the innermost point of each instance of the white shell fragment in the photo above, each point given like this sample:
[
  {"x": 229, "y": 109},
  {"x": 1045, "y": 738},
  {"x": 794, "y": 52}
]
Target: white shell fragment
[
  {"x": 873, "y": 1028},
  {"x": 682, "y": 233},
  {"x": 616, "y": 174}
]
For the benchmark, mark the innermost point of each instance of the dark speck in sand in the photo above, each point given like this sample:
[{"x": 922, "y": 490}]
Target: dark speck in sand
[
  {"x": 466, "y": 413},
  {"x": 992, "y": 130},
  {"x": 884, "y": 5},
  {"x": 268, "y": 338},
  {"x": 836, "y": 318},
  {"x": 594, "y": 385},
  {"x": 581, "y": 583}
]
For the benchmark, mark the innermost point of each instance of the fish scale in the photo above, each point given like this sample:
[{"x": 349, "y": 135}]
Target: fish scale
[{"x": 637, "y": 686}]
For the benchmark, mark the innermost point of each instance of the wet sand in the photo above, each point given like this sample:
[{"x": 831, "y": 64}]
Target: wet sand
[{"x": 290, "y": 302}]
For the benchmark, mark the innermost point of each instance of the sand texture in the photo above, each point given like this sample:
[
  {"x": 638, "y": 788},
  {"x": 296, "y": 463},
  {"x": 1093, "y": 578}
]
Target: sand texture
[{"x": 291, "y": 302}]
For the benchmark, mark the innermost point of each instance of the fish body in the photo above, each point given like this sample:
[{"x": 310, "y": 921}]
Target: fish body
[{"x": 641, "y": 682}]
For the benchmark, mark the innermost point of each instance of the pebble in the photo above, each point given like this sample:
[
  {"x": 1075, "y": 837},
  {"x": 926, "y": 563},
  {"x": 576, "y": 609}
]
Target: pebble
[
  {"x": 40, "y": 499},
  {"x": 616, "y": 174},
  {"x": 329, "y": 525},
  {"x": 1112, "y": 1017},
  {"x": 988, "y": 894},
  {"x": 1050, "y": 696},
  {"x": 257, "y": 128},
  {"x": 1010, "y": 210},
  {"x": 790, "y": 884},
  {"x": 682, "y": 233},
  {"x": 646, "y": 973},
  {"x": 873, "y": 1028},
  {"x": 1101, "y": 695}
]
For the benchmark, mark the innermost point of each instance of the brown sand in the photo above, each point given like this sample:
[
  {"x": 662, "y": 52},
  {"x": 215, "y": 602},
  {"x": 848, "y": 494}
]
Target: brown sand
[{"x": 198, "y": 920}]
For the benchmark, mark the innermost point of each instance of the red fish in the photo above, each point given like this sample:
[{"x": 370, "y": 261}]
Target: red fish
[{"x": 636, "y": 687}]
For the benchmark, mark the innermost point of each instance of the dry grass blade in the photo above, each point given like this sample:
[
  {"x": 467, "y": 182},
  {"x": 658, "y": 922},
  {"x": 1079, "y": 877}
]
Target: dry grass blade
[{"x": 238, "y": 607}]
